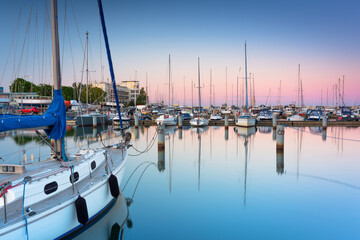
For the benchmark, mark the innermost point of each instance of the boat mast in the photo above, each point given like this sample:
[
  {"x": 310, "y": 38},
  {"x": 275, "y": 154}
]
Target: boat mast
[
  {"x": 226, "y": 86},
  {"x": 169, "y": 77},
  {"x": 246, "y": 104},
  {"x": 109, "y": 60},
  {"x": 146, "y": 94},
  {"x": 56, "y": 61},
  {"x": 184, "y": 93},
  {"x": 299, "y": 86},
  {"x": 210, "y": 85},
  {"x": 87, "y": 72},
  {"x": 199, "y": 86}
]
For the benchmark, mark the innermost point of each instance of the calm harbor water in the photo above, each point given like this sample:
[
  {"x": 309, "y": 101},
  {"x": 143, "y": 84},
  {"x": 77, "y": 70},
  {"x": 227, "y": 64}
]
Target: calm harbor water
[{"x": 217, "y": 184}]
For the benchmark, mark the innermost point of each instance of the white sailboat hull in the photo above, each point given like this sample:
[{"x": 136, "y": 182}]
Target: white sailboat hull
[
  {"x": 166, "y": 121},
  {"x": 62, "y": 215},
  {"x": 199, "y": 122},
  {"x": 245, "y": 122}
]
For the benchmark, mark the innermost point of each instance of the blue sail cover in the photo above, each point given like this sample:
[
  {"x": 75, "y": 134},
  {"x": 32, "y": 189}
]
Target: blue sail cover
[{"x": 54, "y": 119}]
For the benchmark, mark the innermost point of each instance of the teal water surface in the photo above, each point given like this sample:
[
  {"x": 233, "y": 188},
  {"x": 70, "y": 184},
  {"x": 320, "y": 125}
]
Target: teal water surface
[{"x": 217, "y": 184}]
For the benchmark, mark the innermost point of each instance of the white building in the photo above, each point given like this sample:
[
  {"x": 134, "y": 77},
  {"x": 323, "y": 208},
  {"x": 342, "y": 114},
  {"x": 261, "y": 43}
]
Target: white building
[
  {"x": 123, "y": 92},
  {"x": 134, "y": 89}
]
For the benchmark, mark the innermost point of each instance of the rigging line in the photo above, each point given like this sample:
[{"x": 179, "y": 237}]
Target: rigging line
[
  {"x": 35, "y": 49},
  {"x": 25, "y": 39},
  {"x": 46, "y": 17},
  {"x": 137, "y": 184},
  {"x": 77, "y": 27},
  {"x": 150, "y": 144},
  {"x": 148, "y": 162},
  {"x": 63, "y": 47},
  {"x": 72, "y": 58},
  {"x": 15, "y": 43}
]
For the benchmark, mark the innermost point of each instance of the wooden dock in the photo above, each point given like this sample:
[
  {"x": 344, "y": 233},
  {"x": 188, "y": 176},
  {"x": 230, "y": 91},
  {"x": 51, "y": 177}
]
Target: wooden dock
[{"x": 330, "y": 123}]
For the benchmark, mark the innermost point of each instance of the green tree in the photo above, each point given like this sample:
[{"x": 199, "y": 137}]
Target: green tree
[
  {"x": 141, "y": 99},
  {"x": 131, "y": 103},
  {"x": 45, "y": 90},
  {"x": 21, "y": 85},
  {"x": 96, "y": 95},
  {"x": 68, "y": 93}
]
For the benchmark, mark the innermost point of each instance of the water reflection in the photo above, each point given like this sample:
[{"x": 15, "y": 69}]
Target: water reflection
[
  {"x": 280, "y": 161},
  {"x": 265, "y": 129},
  {"x": 241, "y": 170},
  {"x": 110, "y": 225},
  {"x": 245, "y": 132}
]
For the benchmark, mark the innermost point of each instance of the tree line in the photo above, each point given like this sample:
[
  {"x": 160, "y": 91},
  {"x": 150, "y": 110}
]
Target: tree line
[{"x": 95, "y": 94}]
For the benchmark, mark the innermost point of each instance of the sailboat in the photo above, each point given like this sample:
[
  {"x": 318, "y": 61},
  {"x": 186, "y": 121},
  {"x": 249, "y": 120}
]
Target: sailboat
[
  {"x": 245, "y": 120},
  {"x": 167, "y": 119},
  {"x": 199, "y": 121},
  {"x": 93, "y": 118},
  {"x": 58, "y": 197}
]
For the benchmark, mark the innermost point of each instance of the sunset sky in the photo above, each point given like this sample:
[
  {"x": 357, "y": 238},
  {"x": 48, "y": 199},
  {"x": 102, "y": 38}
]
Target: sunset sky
[{"x": 323, "y": 36}]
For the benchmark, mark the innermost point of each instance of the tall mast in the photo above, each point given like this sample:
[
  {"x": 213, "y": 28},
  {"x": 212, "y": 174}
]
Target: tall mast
[
  {"x": 192, "y": 96},
  {"x": 232, "y": 94},
  {"x": 226, "y": 85},
  {"x": 253, "y": 89},
  {"x": 321, "y": 98},
  {"x": 214, "y": 94},
  {"x": 250, "y": 90},
  {"x": 237, "y": 91},
  {"x": 343, "y": 91},
  {"x": 199, "y": 84},
  {"x": 55, "y": 45},
  {"x": 56, "y": 62},
  {"x": 184, "y": 93},
  {"x": 246, "y": 88},
  {"x": 299, "y": 86},
  {"x": 210, "y": 84},
  {"x": 87, "y": 72},
  {"x": 339, "y": 91},
  {"x": 327, "y": 96},
  {"x": 169, "y": 78},
  {"x": 146, "y": 94},
  {"x": 109, "y": 60}
]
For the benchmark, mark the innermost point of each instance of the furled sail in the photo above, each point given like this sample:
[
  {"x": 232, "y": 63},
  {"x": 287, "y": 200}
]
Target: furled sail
[{"x": 53, "y": 120}]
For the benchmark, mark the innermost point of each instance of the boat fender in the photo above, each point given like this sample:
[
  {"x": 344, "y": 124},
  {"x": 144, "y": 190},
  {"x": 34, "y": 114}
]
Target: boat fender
[
  {"x": 115, "y": 232},
  {"x": 114, "y": 186},
  {"x": 81, "y": 210}
]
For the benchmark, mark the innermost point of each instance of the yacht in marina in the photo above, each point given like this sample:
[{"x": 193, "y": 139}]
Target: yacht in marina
[
  {"x": 245, "y": 120},
  {"x": 58, "y": 197}
]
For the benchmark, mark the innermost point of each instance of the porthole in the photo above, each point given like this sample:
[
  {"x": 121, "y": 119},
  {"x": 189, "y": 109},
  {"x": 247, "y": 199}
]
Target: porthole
[
  {"x": 76, "y": 177},
  {"x": 93, "y": 165},
  {"x": 50, "y": 187}
]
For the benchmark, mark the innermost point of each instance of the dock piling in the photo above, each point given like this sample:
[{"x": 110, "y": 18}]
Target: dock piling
[
  {"x": 180, "y": 121},
  {"x": 226, "y": 121},
  {"x": 324, "y": 123},
  {"x": 280, "y": 137},
  {"x": 94, "y": 121},
  {"x": 136, "y": 117},
  {"x": 161, "y": 137},
  {"x": 274, "y": 122}
]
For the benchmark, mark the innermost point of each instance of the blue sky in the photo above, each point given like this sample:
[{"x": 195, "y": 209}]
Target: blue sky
[{"x": 322, "y": 36}]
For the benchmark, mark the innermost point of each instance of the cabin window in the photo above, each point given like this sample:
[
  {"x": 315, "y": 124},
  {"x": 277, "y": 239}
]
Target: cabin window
[
  {"x": 11, "y": 169},
  {"x": 76, "y": 177},
  {"x": 50, "y": 187},
  {"x": 93, "y": 165},
  {"x": 5, "y": 168}
]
